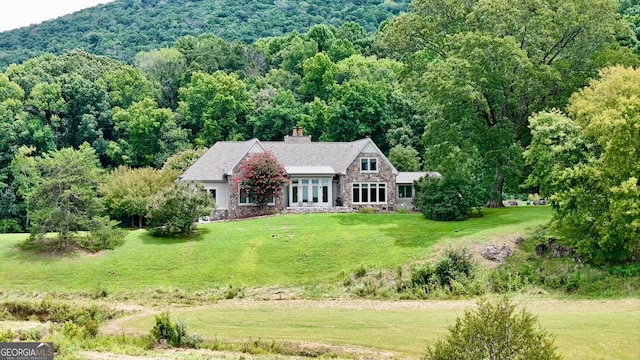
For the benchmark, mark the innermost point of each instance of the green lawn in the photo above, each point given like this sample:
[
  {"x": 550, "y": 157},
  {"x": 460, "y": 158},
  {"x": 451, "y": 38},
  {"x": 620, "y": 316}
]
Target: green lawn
[
  {"x": 279, "y": 250},
  {"x": 582, "y": 329}
]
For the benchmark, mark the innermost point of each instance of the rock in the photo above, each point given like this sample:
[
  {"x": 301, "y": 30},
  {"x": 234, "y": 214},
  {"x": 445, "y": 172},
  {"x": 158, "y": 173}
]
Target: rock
[
  {"x": 541, "y": 249},
  {"x": 497, "y": 253},
  {"x": 557, "y": 250}
]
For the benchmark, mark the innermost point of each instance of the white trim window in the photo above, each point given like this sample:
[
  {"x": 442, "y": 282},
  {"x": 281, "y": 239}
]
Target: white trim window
[
  {"x": 369, "y": 193},
  {"x": 214, "y": 194},
  {"x": 405, "y": 191},
  {"x": 368, "y": 165},
  {"x": 245, "y": 199}
]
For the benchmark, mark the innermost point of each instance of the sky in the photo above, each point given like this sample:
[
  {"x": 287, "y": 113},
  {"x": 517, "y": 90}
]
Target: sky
[{"x": 19, "y": 13}]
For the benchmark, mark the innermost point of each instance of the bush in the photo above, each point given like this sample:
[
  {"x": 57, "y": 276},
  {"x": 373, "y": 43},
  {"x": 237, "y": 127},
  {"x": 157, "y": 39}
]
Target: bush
[
  {"x": 10, "y": 226},
  {"x": 447, "y": 198},
  {"x": 367, "y": 210},
  {"x": 454, "y": 274},
  {"x": 174, "y": 334},
  {"x": 165, "y": 329},
  {"x": 175, "y": 209},
  {"x": 495, "y": 330}
]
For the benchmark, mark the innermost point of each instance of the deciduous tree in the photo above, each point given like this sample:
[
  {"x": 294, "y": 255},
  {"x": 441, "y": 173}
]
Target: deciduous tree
[{"x": 262, "y": 176}]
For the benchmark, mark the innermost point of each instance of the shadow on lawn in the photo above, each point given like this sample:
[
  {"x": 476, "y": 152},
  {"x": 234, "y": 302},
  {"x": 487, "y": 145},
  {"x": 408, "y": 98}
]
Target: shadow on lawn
[{"x": 198, "y": 235}]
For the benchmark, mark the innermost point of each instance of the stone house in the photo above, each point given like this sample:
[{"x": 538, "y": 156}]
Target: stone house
[{"x": 323, "y": 176}]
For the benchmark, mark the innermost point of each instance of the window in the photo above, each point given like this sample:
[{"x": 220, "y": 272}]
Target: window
[
  {"x": 245, "y": 199},
  {"x": 369, "y": 165},
  {"x": 369, "y": 193},
  {"x": 212, "y": 193},
  {"x": 405, "y": 191}
]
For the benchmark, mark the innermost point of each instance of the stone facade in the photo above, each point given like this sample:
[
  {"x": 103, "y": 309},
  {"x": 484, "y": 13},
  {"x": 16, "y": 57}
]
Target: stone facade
[
  {"x": 235, "y": 210},
  {"x": 354, "y": 175}
]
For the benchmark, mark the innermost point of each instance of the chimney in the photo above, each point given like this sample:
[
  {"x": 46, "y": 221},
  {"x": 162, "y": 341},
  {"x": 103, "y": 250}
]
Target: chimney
[{"x": 297, "y": 136}]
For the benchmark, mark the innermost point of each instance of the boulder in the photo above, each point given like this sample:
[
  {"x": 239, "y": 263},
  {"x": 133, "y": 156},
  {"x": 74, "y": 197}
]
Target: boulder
[{"x": 497, "y": 253}]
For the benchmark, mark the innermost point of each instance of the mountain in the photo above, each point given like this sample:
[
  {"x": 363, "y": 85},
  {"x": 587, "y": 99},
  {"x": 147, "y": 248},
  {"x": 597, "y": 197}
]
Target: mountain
[{"x": 122, "y": 28}]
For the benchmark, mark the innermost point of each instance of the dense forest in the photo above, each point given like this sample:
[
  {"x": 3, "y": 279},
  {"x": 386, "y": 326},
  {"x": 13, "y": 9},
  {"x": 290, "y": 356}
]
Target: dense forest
[
  {"x": 122, "y": 28},
  {"x": 500, "y": 97}
]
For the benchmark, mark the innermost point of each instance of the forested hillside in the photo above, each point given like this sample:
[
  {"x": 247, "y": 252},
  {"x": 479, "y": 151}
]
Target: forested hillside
[{"x": 122, "y": 28}]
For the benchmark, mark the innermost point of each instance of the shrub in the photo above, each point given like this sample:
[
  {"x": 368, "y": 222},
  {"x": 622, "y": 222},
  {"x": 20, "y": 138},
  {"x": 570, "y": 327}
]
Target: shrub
[
  {"x": 10, "y": 226},
  {"x": 175, "y": 209},
  {"x": 174, "y": 334},
  {"x": 447, "y": 198},
  {"x": 503, "y": 281},
  {"x": 165, "y": 329},
  {"x": 495, "y": 330},
  {"x": 367, "y": 209}
]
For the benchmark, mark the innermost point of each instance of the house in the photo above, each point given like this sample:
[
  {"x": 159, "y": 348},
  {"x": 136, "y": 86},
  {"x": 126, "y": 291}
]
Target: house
[{"x": 322, "y": 175}]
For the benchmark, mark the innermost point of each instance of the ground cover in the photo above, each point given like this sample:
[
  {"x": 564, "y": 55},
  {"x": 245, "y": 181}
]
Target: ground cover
[
  {"x": 583, "y": 329},
  {"x": 285, "y": 250}
]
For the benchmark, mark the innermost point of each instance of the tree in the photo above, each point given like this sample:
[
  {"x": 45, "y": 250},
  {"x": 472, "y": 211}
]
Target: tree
[
  {"x": 174, "y": 210},
  {"x": 126, "y": 192},
  {"x": 215, "y": 107},
  {"x": 262, "y": 176},
  {"x": 452, "y": 196},
  {"x": 61, "y": 195},
  {"x": 595, "y": 190},
  {"x": 404, "y": 158},
  {"x": 496, "y": 331},
  {"x": 166, "y": 67},
  {"x": 148, "y": 135},
  {"x": 481, "y": 68},
  {"x": 182, "y": 160}
]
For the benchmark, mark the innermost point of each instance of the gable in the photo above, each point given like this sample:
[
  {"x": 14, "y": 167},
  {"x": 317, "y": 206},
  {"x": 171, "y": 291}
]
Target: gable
[
  {"x": 370, "y": 148},
  {"x": 256, "y": 148}
]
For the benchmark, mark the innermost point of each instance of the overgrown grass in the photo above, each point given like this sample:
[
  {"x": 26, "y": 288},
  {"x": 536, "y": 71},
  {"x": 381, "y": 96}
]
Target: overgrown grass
[
  {"x": 567, "y": 275},
  {"x": 288, "y": 250},
  {"x": 582, "y": 329}
]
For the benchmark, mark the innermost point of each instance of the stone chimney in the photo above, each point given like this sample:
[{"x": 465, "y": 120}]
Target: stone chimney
[{"x": 297, "y": 136}]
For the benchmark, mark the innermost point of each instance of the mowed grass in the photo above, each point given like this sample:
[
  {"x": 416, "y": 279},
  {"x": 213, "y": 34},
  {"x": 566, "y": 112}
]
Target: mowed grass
[
  {"x": 582, "y": 329},
  {"x": 285, "y": 250}
]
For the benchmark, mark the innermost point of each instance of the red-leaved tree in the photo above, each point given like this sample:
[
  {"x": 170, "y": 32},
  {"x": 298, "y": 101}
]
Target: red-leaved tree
[{"x": 261, "y": 176}]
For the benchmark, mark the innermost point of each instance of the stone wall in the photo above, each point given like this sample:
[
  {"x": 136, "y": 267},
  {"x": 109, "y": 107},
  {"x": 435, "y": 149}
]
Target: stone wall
[
  {"x": 238, "y": 211},
  {"x": 384, "y": 174}
]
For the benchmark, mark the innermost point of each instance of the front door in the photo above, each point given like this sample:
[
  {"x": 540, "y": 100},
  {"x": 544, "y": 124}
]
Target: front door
[{"x": 310, "y": 192}]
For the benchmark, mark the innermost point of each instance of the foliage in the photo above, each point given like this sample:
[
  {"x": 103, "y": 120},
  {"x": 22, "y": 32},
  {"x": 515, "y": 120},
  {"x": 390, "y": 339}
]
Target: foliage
[
  {"x": 62, "y": 198},
  {"x": 182, "y": 160},
  {"x": 262, "y": 176},
  {"x": 126, "y": 192},
  {"x": 174, "y": 334},
  {"x": 215, "y": 107},
  {"x": 495, "y": 330},
  {"x": 148, "y": 135},
  {"x": 175, "y": 209},
  {"x": 477, "y": 73},
  {"x": 121, "y": 29},
  {"x": 453, "y": 195},
  {"x": 451, "y": 273},
  {"x": 595, "y": 187},
  {"x": 404, "y": 158}
]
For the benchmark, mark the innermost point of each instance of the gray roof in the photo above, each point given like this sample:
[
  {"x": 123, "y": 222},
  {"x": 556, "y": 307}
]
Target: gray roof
[
  {"x": 220, "y": 159},
  {"x": 297, "y": 158},
  {"x": 334, "y": 155},
  {"x": 410, "y": 177}
]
